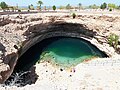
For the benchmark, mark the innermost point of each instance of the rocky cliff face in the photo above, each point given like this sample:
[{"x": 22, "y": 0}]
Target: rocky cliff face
[{"x": 19, "y": 32}]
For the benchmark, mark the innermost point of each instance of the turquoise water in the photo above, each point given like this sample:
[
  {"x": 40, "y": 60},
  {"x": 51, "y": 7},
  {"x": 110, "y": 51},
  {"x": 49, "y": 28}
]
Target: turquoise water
[
  {"x": 69, "y": 51},
  {"x": 63, "y": 51}
]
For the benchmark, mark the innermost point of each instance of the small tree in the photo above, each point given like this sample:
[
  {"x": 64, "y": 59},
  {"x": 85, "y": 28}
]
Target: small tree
[
  {"x": 94, "y": 6},
  {"x": 29, "y": 7},
  {"x": 68, "y": 6},
  {"x": 40, "y": 3},
  {"x": 111, "y": 6},
  {"x": 80, "y": 5},
  {"x": 54, "y": 7},
  {"x": 103, "y": 6},
  {"x": 117, "y": 7},
  {"x": 3, "y": 5},
  {"x": 113, "y": 40}
]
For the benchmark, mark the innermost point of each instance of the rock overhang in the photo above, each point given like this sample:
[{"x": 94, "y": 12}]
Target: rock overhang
[{"x": 66, "y": 30}]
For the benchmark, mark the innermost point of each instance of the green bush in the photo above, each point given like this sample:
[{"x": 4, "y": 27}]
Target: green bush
[
  {"x": 54, "y": 7},
  {"x": 113, "y": 40},
  {"x": 19, "y": 10},
  {"x": 103, "y": 6},
  {"x": 73, "y": 15}
]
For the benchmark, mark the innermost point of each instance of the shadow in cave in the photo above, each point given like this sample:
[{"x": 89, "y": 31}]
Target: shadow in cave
[
  {"x": 41, "y": 29},
  {"x": 32, "y": 55},
  {"x": 26, "y": 63}
]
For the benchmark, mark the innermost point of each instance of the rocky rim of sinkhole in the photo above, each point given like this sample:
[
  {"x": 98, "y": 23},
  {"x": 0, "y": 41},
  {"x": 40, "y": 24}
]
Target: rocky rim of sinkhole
[{"x": 20, "y": 32}]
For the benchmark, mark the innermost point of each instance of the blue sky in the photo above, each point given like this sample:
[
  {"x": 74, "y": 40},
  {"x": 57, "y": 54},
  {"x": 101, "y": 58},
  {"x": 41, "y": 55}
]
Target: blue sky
[{"x": 58, "y": 2}]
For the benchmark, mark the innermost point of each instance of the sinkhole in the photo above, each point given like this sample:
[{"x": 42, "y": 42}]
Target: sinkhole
[{"x": 62, "y": 51}]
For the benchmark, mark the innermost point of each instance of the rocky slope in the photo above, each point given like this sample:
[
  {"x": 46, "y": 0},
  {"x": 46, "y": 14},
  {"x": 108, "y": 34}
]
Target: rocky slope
[{"x": 15, "y": 30}]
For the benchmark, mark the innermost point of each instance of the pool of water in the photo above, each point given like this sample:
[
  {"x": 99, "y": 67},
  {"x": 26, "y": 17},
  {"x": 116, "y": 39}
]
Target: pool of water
[
  {"x": 63, "y": 51},
  {"x": 68, "y": 52}
]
